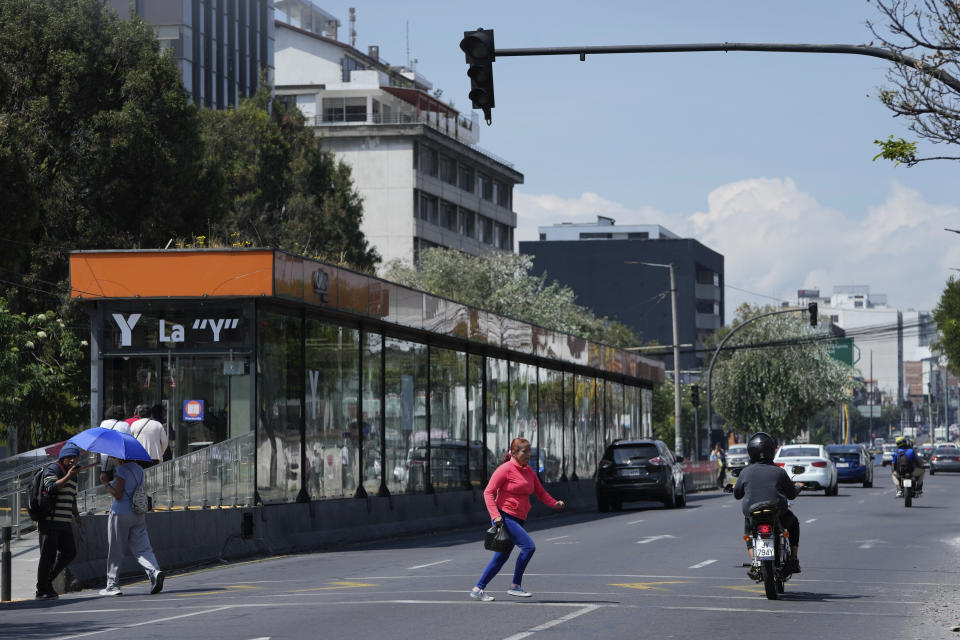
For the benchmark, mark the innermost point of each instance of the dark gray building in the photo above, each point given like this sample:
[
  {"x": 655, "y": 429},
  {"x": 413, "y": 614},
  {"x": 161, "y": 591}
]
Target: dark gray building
[
  {"x": 591, "y": 259},
  {"x": 220, "y": 46}
]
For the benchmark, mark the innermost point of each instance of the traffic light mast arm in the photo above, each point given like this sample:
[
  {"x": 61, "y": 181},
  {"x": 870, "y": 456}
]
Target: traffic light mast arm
[
  {"x": 854, "y": 49},
  {"x": 713, "y": 360}
]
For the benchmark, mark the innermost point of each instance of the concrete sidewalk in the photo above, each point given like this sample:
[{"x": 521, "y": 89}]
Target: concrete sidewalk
[{"x": 25, "y": 553}]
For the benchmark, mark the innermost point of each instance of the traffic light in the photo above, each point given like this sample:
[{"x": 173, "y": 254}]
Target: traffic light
[
  {"x": 695, "y": 395},
  {"x": 812, "y": 309},
  {"x": 480, "y": 54}
]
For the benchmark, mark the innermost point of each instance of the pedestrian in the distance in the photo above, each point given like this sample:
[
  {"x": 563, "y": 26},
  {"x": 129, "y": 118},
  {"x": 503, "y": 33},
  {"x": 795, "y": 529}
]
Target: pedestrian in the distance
[
  {"x": 721, "y": 459},
  {"x": 150, "y": 433},
  {"x": 507, "y": 497},
  {"x": 57, "y": 546},
  {"x": 127, "y": 531}
]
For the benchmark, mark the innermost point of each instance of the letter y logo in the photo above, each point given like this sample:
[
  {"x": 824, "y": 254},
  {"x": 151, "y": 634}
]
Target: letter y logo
[{"x": 126, "y": 327}]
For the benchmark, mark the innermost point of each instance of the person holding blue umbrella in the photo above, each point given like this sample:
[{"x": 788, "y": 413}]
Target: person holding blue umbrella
[{"x": 126, "y": 529}]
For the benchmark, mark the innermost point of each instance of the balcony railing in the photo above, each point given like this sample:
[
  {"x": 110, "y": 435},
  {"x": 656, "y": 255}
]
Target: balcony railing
[{"x": 459, "y": 128}]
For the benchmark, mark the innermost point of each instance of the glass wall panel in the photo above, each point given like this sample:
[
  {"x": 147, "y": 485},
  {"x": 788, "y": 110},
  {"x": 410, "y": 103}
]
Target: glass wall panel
[
  {"x": 332, "y": 393},
  {"x": 551, "y": 424},
  {"x": 475, "y": 417},
  {"x": 280, "y": 389},
  {"x": 631, "y": 409},
  {"x": 587, "y": 425},
  {"x": 646, "y": 412},
  {"x": 569, "y": 427},
  {"x": 406, "y": 418},
  {"x": 449, "y": 465},
  {"x": 523, "y": 408},
  {"x": 372, "y": 415},
  {"x": 498, "y": 411},
  {"x": 607, "y": 420},
  {"x": 615, "y": 401}
]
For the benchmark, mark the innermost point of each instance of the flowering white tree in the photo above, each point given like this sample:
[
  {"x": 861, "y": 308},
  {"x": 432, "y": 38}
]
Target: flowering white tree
[{"x": 775, "y": 374}]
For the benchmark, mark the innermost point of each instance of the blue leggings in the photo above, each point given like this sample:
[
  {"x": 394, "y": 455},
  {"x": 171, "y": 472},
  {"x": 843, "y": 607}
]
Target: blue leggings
[{"x": 519, "y": 538}]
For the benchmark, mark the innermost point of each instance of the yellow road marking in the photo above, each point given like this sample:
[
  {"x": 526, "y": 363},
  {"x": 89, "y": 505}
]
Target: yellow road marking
[
  {"x": 649, "y": 585},
  {"x": 750, "y": 589},
  {"x": 226, "y": 589},
  {"x": 338, "y": 585}
]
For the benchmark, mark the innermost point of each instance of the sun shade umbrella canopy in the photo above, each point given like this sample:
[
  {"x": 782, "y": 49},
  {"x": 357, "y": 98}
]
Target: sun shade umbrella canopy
[{"x": 112, "y": 443}]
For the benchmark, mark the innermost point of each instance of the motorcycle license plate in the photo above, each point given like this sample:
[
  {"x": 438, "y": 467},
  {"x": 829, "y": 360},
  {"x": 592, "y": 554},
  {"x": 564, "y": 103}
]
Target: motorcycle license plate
[
  {"x": 763, "y": 550},
  {"x": 907, "y": 482}
]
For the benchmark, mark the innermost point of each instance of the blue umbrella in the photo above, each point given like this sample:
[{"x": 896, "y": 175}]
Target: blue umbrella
[{"x": 111, "y": 443}]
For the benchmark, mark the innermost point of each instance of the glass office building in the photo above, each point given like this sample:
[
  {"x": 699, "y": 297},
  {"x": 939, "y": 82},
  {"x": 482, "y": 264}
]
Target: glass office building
[{"x": 346, "y": 384}]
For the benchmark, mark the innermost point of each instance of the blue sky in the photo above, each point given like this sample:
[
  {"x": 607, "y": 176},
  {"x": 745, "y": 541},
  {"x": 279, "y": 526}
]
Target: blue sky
[{"x": 764, "y": 157}]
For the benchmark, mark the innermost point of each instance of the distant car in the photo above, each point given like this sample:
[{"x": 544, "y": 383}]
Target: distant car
[
  {"x": 853, "y": 463},
  {"x": 737, "y": 457},
  {"x": 809, "y": 464},
  {"x": 945, "y": 459},
  {"x": 639, "y": 470},
  {"x": 887, "y": 457},
  {"x": 925, "y": 452}
]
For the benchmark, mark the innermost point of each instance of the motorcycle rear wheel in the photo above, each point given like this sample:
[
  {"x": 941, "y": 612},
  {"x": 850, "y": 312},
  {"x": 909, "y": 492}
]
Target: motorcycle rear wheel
[
  {"x": 908, "y": 497},
  {"x": 769, "y": 580}
]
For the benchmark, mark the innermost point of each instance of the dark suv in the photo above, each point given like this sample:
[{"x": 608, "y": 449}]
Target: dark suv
[{"x": 639, "y": 470}]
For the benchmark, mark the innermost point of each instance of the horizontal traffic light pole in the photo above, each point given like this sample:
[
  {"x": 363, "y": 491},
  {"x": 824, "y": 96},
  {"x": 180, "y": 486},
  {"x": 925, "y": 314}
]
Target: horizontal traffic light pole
[{"x": 853, "y": 49}]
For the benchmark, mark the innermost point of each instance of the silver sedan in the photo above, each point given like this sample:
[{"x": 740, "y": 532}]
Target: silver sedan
[{"x": 945, "y": 459}]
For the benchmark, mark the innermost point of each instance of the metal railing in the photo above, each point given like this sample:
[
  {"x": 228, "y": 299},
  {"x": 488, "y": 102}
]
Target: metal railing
[{"x": 221, "y": 475}]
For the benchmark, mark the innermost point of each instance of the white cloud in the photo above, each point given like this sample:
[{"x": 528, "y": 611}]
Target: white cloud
[{"x": 777, "y": 238}]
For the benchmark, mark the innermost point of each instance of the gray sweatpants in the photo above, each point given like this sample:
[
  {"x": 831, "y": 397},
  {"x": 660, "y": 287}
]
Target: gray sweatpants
[{"x": 128, "y": 534}]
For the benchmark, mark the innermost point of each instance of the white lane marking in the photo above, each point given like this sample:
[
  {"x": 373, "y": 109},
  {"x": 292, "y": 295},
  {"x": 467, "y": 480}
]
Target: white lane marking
[
  {"x": 801, "y": 611},
  {"x": 140, "y": 624},
  {"x": 809, "y": 521},
  {"x": 553, "y": 623},
  {"x": 557, "y": 538},
  {"x": 430, "y": 564},
  {"x": 859, "y": 501},
  {"x": 700, "y": 565},
  {"x": 649, "y": 539},
  {"x": 635, "y": 522},
  {"x": 870, "y": 544},
  {"x": 725, "y": 506}
]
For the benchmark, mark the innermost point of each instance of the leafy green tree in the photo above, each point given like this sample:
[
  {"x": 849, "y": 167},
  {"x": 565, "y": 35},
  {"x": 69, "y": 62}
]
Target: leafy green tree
[
  {"x": 503, "y": 283},
  {"x": 926, "y": 93},
  {"x": 42, "y": 390},
  {"x": 279, "y": 188},
  {"x": 97, "y": 139},
  {"x": 782, "y": 380},
  {"x": 947, "y": 316}
]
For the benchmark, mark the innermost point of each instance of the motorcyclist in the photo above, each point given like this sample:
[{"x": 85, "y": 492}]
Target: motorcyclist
[
  {"x": 912, "y": 463},
  {"x": 762, "y": 481}
]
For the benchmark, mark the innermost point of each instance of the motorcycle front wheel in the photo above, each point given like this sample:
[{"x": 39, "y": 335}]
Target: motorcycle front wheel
[{"x": 767, "y": 570}]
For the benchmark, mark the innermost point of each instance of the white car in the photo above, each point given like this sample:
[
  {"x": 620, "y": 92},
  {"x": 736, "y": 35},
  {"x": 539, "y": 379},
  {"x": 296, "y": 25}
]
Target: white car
[
  {"x": 809, "y": 464},
  {"x": 737, "y": 457},
  {"x": 887, "y": 456}
]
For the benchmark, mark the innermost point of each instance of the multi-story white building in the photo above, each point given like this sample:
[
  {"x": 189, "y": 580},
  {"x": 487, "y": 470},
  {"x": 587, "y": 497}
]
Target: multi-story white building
[
  {"x": 414, "y": 158},
  {"x": 888, "y": 335}
]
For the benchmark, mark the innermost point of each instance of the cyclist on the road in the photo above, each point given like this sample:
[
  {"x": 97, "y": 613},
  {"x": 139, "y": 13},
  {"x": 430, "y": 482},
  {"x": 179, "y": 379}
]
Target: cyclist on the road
[
  {"x": 906, "y": 460},
  {"x": 762, "y": 481}
]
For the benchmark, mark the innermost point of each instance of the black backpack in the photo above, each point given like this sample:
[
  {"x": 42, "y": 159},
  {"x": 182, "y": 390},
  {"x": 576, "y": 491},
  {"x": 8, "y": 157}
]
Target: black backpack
[{"x": 40, "y": 503}]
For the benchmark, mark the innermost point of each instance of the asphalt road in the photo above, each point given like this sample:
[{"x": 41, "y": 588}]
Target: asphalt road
[{"x": 871, "y": 569}]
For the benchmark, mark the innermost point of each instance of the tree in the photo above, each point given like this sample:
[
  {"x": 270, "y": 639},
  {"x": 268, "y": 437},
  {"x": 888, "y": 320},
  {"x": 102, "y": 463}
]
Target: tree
[
  {"x": 782, "y": 380},
  {"x": 278, "y": 188},
  {"x": 929, "y": 31},
  {"x": 42, "y": 395},
  {"x": 947, "y": 316},
  {"x": 99, "y": 147},
  {"x": 502, "y": 283}
]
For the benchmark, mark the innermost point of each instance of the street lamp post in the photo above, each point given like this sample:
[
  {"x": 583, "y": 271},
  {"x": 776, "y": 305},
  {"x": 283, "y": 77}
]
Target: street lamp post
[{"x": 677, "y": 437}]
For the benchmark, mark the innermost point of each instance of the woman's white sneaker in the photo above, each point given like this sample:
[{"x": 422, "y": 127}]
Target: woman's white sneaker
[
  {"x": 519, "y": 592},
  {"x": 481, "y": 595}
]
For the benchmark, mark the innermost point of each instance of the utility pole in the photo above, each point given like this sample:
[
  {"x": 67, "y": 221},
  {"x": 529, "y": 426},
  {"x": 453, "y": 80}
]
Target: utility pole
[
  {"x": 677, "y": 436},
  {"x": 870, "y": 398}
]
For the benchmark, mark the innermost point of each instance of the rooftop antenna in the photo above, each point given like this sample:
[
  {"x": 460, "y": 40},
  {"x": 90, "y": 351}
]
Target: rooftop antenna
[
  {"x": 353, "y": 30},
  {"x": 408, "y": 44}
]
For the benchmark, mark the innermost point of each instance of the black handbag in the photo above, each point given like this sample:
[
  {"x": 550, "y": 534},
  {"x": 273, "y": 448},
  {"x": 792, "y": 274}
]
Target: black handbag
[{"x": 497, "y": 538}]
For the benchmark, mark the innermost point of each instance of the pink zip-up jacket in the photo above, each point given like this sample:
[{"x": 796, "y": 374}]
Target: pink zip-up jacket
[{"x": 509, "y": 490}]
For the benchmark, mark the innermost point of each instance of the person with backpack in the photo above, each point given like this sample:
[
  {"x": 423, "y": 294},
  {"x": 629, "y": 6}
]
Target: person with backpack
[
  {"x": 907, "y": 462},
  {"x": 55, "y": 511},
  {"x": 127, "y": 530}
]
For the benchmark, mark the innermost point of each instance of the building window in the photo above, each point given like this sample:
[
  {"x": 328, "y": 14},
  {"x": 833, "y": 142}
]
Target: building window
[
  {"x": 349, "y": 64},
  {"x": 467, "y": 223},
  {"x": 543, "y": 236},
  {"x": 708, "y": 307},
  {"x": 448, "y": 215},
  {"x": 858, "y": 304},
  {"x": 484, "y": 187},
  {"x": 345, "y": 110},
  {"x": 596, "y": 236},
  {"x": 428, "y": 161},
  {"x": 705, "y": 276},
  {"x": 486, "y": 230},
  {"x": 448, "y": 170},
  {"x": 466, "y": 178},
  {"x": 428, "y": 208},
  {"x": 638, "y": 235}
]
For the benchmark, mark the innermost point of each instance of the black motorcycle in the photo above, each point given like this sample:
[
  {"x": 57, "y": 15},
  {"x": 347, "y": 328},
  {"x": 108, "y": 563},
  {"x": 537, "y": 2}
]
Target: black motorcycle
[{"x": 907, "y": 481}]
